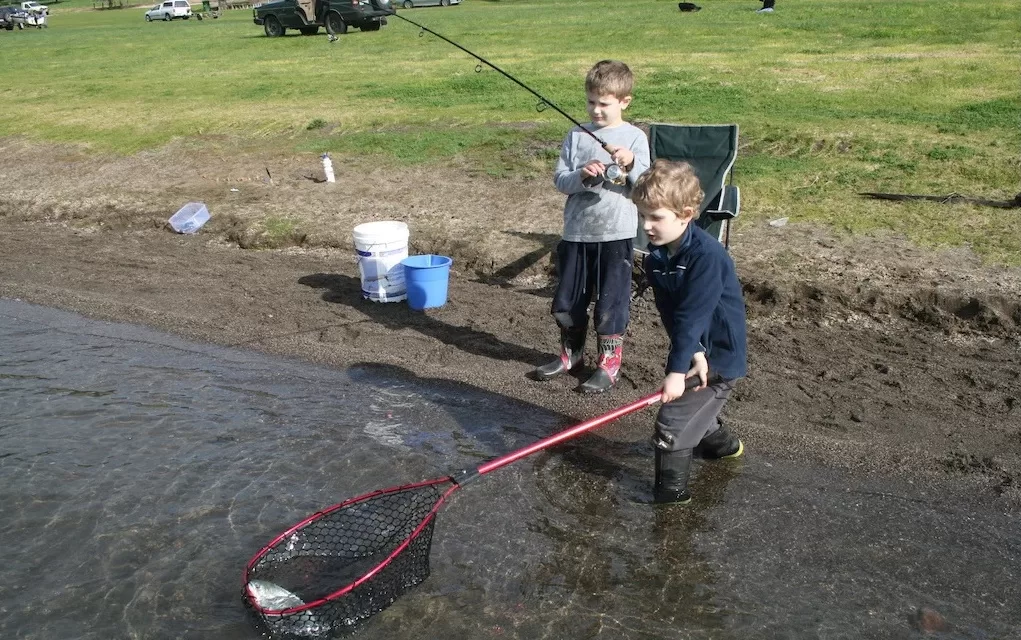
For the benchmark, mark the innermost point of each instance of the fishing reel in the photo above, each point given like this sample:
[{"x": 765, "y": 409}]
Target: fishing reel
[{"x": 615, "y": 174}]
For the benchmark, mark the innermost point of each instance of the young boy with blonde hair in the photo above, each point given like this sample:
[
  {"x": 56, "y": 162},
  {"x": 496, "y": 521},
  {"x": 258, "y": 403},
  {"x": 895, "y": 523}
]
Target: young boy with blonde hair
[
  {"x": 600, "y": 222},
  {"x": 700, "y": 301}
]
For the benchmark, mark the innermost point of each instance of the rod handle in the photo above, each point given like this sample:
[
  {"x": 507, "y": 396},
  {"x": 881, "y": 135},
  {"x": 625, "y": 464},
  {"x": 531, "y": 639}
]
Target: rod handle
[{"x": 579, "y": 429}]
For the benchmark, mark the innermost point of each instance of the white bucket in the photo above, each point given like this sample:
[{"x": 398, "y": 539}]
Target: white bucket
[{"x": 381, "y": 246}]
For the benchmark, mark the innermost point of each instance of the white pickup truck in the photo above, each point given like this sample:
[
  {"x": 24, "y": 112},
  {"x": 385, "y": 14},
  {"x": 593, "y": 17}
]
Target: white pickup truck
[{"x": 34, "y": 7}]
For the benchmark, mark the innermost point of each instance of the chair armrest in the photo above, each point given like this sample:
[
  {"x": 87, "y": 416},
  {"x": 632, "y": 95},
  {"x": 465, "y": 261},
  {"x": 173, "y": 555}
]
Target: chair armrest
[{"x": 728, "y": 206}]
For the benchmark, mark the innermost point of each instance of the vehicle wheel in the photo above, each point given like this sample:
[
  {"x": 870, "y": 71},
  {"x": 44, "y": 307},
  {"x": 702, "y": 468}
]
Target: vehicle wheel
[
  {"x": 309, "y": 31},
  {"x": 186, "y": 17},
  {"x": 408, "y": 4},
  {"x": 335, "y": 25},
  {"x": 166, "y": 17},
  {"x": 273, "y": 27},
  {"x": 370, "y": 26},
  {"x": 148, "y": 18}
]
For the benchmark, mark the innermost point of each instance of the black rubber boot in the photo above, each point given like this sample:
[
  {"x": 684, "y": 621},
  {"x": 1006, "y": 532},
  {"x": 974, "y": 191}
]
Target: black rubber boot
[
  {"x": 720, "y": 444},
  {"x": 572, "y": 350},
  {"x": 608, "y": 369},
  {"x": 672, "y": 471}
]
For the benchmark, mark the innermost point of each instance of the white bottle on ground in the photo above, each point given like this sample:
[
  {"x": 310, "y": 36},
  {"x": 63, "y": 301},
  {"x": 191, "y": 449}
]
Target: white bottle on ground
[{"x": 328, "y": 168}]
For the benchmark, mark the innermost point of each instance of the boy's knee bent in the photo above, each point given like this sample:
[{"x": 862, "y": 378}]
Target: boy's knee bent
[
  {"x": 567, "y": 322},
  {"x": 667, "y": 438},
  {"x": 612, "y": 322}
]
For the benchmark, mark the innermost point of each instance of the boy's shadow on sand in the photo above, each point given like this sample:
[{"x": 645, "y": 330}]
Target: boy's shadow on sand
[
  {"x": 504, "y": 276},
  {"x": 347, "y": 290}
]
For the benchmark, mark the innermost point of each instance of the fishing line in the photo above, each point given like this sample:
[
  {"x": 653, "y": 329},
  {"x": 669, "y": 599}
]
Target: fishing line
[{"x": 543, "y": 101}]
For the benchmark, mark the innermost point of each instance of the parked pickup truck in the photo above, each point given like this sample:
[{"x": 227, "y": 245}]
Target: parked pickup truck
[
  {"x": 34, "y": 7},
  {"x": 277, "y": 16}
]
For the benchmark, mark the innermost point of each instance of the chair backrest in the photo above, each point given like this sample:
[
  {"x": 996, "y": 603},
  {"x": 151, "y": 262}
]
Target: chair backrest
[{"x": 711, "y": 150}]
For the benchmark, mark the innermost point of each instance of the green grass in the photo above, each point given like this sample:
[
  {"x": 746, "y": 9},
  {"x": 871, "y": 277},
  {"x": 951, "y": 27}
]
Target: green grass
[{"x": 833, "y": 98}]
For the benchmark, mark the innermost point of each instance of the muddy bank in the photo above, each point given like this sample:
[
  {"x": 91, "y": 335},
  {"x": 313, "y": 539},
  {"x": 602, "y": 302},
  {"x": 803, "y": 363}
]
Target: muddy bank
[{"x": 866, "y": 353}]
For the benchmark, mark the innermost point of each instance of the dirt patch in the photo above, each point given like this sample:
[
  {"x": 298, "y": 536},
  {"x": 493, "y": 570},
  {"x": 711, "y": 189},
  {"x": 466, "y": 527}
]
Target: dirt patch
[{"x": 866, "y": 353}]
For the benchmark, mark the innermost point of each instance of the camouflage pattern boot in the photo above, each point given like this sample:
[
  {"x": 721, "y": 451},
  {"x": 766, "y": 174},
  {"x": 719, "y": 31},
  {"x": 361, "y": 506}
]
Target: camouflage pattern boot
[{"x": 608, "y": 368}]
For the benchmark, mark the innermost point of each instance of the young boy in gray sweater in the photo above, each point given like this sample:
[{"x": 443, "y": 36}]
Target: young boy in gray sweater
[{"x": 594, "y": 258}]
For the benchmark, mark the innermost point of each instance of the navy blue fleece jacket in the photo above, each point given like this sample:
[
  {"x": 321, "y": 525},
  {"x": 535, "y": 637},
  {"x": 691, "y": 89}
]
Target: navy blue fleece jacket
[{"x": 699, "y": 299}]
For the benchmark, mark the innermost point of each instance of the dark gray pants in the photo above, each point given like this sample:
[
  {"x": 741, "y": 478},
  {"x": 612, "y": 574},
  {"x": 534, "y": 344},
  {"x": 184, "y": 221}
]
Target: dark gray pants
[
  {"x": 600, "y": 270},
  {"x": 683, "y": 423}
]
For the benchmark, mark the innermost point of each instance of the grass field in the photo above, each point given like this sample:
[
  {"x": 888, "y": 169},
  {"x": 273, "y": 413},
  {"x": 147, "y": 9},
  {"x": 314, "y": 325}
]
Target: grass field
[{"x": 833, "y": 97}]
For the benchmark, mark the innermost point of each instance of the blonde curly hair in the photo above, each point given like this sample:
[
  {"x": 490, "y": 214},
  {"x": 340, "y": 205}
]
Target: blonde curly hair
[{"x": 669, "y": 185}]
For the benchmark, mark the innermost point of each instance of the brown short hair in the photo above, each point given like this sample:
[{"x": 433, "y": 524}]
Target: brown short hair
[
  {"x": 668, "y": 185},
  {"x": 610, "y": 76}
]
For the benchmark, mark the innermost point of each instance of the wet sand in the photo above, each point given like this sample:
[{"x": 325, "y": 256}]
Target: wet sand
[{"x": 866, "y": 354}]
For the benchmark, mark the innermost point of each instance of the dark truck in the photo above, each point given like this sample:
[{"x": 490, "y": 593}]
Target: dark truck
[
  {"x": 11, "y": 17},
  {"x": 277, "y": 16}
]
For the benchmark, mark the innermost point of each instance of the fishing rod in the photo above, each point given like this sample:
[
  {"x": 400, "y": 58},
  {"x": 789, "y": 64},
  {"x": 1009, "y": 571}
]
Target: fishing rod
[{"x": 616, "y": 174}]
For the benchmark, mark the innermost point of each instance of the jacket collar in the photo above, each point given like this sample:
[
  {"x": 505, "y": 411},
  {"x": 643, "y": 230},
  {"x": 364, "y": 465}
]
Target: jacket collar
[{"x": 661, "y": 254}]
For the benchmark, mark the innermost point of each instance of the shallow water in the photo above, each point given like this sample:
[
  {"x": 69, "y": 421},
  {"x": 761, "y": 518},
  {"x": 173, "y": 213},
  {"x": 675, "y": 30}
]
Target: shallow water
[{"x": 140, "y": 472}]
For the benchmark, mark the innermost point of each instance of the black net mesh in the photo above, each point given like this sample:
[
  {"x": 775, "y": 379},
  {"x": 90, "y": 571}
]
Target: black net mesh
[{"x": 337, "y": 549}]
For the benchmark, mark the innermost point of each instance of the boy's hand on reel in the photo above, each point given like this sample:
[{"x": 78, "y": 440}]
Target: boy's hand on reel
[
  {"x": 623, "y": 156},
  {"x": 593, "y": 169}
]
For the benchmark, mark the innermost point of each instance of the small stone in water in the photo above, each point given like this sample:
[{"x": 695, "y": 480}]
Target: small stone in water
[{"x": 929, "y": 620}]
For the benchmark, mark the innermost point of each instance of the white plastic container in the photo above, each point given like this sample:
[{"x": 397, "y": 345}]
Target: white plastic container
[
  {"x": 380, "y": 247},
  {"x": 328, "y": 168},
  {"x": 189, "y": 218}
]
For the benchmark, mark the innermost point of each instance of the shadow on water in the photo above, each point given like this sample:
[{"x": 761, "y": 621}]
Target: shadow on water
[
  {"x": 622, "y": 556},
  {"x": 141, "y": 472},
  {"x": 347, "y": 290},
  {"x": 563, "y": 542},
  {"x": 490, "y": 424},
  {"x": 497, "y": 424}
]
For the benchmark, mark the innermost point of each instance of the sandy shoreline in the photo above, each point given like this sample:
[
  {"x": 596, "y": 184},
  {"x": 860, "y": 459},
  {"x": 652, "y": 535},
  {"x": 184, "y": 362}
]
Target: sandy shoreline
[{"x": 865, "y": 353}]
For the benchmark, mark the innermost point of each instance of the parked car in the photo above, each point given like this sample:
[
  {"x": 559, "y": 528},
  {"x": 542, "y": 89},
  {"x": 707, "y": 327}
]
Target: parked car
[
  {"x": 11, "y": 17},
  {"x": 36, "y": 19},
  {"x": 277, "y": 16},
  {"x": 410, "y": 4},
  {"x": 168, "y": 10},
  {"x": 34, "y": 7}
]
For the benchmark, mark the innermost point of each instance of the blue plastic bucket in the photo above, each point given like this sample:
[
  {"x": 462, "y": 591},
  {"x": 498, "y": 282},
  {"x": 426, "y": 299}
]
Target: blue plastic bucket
[{"x": 426, "y": 278}]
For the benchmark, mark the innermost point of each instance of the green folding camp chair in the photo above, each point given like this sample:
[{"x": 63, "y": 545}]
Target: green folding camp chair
[{"x": 711, "y": 150}]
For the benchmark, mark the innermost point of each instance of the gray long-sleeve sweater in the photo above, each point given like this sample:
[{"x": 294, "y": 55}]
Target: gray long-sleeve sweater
[{"x": 603, "y": 212}]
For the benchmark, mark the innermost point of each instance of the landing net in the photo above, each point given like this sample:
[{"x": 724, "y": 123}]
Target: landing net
[{"x": 339, "y": 566}]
